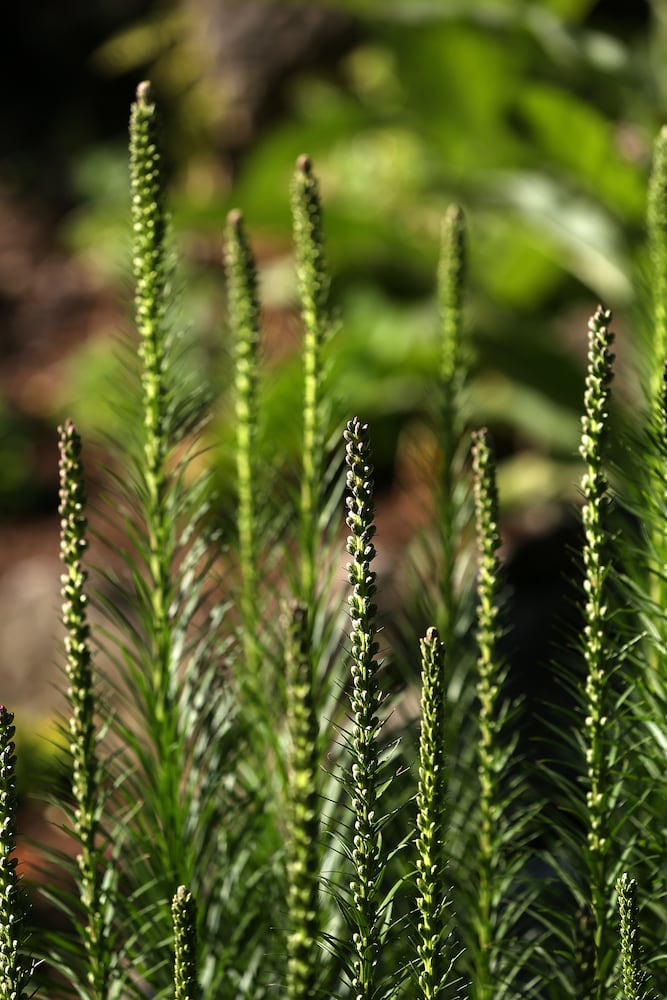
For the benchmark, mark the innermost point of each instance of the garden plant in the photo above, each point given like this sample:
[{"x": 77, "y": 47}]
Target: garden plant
[{"x": 251, "y": 811}]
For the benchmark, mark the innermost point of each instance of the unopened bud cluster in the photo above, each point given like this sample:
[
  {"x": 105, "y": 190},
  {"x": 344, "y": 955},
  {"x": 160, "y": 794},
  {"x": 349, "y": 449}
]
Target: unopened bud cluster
[
  {"x": 432, "y": 895},
  {"x": 184, "y": 922},
  {"x": 366, "y": 700},
  {"x": 594, "y": 424},
  {"x": 77, "y": 653},
  {"x": 149, "y": 225},
  {"x": 303, "y": 812},
  {"x": 11, "y": 918}
]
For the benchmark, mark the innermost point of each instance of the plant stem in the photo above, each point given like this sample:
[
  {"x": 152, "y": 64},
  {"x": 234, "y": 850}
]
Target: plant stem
[
  {"x": 634, "y": 975},
  {"x": 450, "y": 293},
  {"x": 150, "y": 269},
  {"x": 304, "y": 828},
  {"x": 150, "y": 272},
  {"x": 490, "y": 758},
  {"x": 657, "y": 241},
  {"x": 12, "y": 971},
  {"x": 184, "y": 922},
  {"x": 595, "y": 632},
  {"x": 654, "y": 445},
  {"x": 244, "y": 321},
  {"x": 432, "y": 901},
  {"x": 366, "y": 700},
  {"x": 85, "y": 765},
  {"x": 313, "y": 284}
]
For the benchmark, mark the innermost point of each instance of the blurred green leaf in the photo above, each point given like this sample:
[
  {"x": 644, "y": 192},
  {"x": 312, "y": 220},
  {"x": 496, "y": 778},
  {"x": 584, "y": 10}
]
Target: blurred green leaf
[{"x": 576, "y": 136}]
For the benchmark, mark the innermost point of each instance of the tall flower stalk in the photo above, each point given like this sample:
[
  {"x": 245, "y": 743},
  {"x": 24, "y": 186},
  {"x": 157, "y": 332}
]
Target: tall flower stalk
[
  {"x": 86, "y": 786},
  {"x": 12, "y": 968},
  {"x": 652, "y": 469},
  {"x": 366, "y": 701},
  {"x": 635, "y": 985},
  {"x": 159, "y": 501},
  {"x": 491, "y": 756},
  {"x": 150, "y": 273},
  {"x": 657, "y": 242},
  {"x": 244, "y": 322},
  {"x": 433, "y": 891},
  {"x": 313, "y": 285},
  {"x": 596, "y": 638},
  {"x": 303, "y": 960},
  {"x": 184, "y": 923},
  {"x": 451, "y": 271},
  {"x": 166, "y": 660}
]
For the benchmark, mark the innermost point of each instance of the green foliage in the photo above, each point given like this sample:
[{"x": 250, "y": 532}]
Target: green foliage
[
  {"x": 429, "y": 104},
  {"x": 274, "y": 802}
]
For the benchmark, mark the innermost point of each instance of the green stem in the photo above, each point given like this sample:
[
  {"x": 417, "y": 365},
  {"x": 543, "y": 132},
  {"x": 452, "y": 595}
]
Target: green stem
[
  {"x": 85, "y": 765},
  {"x": 184, "y": 923},
  {"x": 596, "y": 631},
  {"x": 634, "y": 975},
  {"x": 366, "y": 701},
  {"x": 244, "y": 322},
  {"x": 313, "y": 284},
  {"x": 432, "y": 900},
  {"x": 150, "y": 273},
  {"x": 657, "y": 241},
  {"x": 12, "y": 971},
  {"x": 452, "y": 374},
  {"x": 490, "y": 757},
  {"x": 303, "y": 805}
]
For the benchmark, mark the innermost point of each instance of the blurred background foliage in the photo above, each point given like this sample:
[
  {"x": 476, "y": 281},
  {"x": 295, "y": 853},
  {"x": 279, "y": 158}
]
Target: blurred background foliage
[{"x": 538, "y": 116}]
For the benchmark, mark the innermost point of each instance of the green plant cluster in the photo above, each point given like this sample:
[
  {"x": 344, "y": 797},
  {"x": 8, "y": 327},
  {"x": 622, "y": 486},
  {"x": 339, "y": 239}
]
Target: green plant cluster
[
  {"x": 429, "y": 103},
  {"x": 247, "y": 812}
]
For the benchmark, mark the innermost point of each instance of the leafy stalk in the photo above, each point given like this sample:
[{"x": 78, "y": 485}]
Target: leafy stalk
[
  {"x": 596, "y": 636},
  {"x": 303, "y": 806},
  {"x": 165, "y": 561},
  {"x": 244, "y": 321},
  {"x": 491, "y": 755},
  {"x": 432, "y": 887},
  {"x": 635, "y": 985},
  {"x": 184, "y": 922},
  {"x": 452, "y": 372},
  {"x": 313, "y": 284},
  {"x": 657, "y": 240},
  {"x": 12, "y": 968},
  {"x": 651, "y": 469},
  {"x": 150, "y": 273},
  {"x": 366, "y": 701},
  {"x": 86, "y": 786}
]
